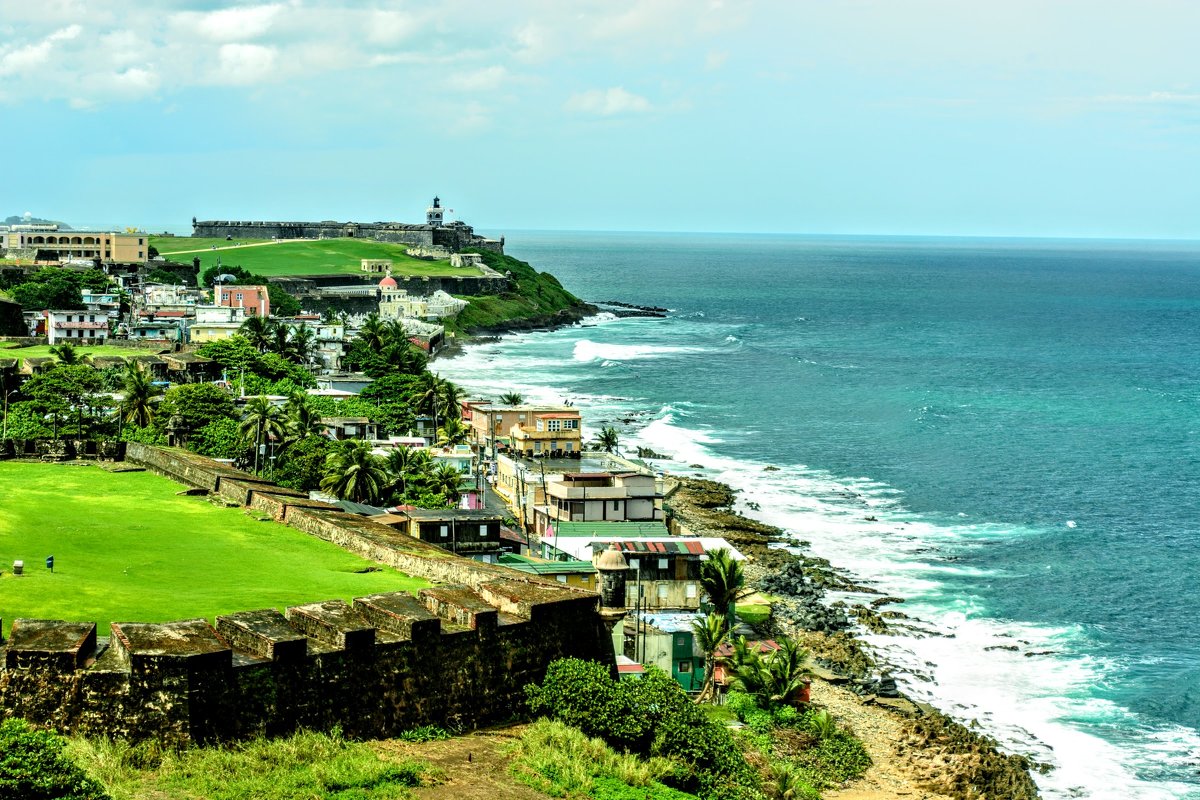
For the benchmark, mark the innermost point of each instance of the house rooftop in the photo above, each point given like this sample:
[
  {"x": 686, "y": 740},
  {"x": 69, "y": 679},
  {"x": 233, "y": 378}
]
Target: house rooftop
[
  {"x": 456, "y": 514},
  {"x": 627, "y": 530},
  {"x": 539, "y": 566}
]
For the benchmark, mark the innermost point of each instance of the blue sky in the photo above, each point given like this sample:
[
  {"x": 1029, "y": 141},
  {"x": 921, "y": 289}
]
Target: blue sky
[{"x": 967, "y": 117}]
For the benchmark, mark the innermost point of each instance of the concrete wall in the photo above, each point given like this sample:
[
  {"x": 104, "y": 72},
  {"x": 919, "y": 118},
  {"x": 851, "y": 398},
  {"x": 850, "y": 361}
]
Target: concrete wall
[{"x": 458, "y": 653}]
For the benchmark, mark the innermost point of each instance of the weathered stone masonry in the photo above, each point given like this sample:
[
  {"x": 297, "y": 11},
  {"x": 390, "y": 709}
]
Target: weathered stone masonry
[{"x": 457, "y": 654}]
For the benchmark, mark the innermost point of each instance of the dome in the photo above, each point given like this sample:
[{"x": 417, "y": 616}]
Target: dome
[
  {"x": 611, "y": 560},
  {"x": 388, "y": 283}
]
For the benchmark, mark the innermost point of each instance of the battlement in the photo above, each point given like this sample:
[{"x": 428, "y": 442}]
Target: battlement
[{"x": 458, "y": 653}]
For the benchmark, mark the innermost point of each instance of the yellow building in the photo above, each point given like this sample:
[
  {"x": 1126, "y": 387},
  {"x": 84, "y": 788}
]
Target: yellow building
[{"x": 125, "y": 248}]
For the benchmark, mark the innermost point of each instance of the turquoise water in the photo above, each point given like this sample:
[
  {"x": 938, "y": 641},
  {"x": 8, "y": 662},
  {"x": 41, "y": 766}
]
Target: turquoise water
[{"x": 1005, "y": 432}]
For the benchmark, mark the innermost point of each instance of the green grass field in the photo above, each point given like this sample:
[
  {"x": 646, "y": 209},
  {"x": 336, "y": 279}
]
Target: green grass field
[
  {"x": 43, "y": 351},
  {"x": 128, "y": 549},
  {"x": 309, "y": 257}
]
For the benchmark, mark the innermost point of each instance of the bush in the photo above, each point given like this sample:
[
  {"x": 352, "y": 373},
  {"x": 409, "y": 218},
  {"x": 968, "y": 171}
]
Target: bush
[
  {"x": 650, "y": 716},
  {"x": 835, "y": 759},
  {"x": 33, "y": 766}
]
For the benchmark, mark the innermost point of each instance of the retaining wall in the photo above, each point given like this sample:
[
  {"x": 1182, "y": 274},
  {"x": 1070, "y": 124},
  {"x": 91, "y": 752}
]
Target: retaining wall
[{"x": 456, "y": 654}]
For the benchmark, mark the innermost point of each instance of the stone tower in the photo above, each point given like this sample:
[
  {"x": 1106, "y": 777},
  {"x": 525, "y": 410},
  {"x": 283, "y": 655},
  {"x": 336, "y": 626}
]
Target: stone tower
[
  {"x": 433, "y": 214},
  {"x": 613, "y": 569}
]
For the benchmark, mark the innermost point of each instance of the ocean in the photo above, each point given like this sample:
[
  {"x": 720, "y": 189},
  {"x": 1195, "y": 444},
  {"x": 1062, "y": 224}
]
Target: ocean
[{"x": 1004, "y": 432}]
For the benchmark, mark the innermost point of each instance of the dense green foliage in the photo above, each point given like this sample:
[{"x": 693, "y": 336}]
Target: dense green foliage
[
  {"x": 650, "y": 716},
  {"x": 34, "y": 766},
  {"x": 304, "y": 766},
  {"x": 52, "y": 287},
  {"x": 196, "y": 404}
]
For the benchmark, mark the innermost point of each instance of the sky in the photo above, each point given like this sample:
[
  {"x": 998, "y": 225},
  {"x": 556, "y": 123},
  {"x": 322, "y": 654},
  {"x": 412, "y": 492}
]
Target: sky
[{"x": 910, "y": 117}]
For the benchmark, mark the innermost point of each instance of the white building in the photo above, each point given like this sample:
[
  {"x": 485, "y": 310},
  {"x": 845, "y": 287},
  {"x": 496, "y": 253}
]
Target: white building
[{"x": 76, "y": 327}]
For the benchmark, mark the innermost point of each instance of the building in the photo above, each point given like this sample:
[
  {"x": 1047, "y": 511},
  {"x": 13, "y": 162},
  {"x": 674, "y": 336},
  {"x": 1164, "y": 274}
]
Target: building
[
  {"x": 548, "y": 431},
  {"x": 254, "y": 299},
  {"x": 76, "y": 327},
  {"x": 397, "y": 303},
  {"x": 524, "y": 482},
  {"x": 633, "y": 496},
  {"x": 377, "y": 266},
  {"x": 581, "y": 574},
  {"x": 469, "y": 533},
  {"x": 666, "y": 640},
  {"x": 350, "y": 428},
  {"x": 47, "y": 242},
  {"x": 215, "y": 323},
  {"x": 664, "y": 571}
]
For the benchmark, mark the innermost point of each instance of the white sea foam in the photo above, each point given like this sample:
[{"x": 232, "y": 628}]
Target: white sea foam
[{"x": 586, "y": 350}]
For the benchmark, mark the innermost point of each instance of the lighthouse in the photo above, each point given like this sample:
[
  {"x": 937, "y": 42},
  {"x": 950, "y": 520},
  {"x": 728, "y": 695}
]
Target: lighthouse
[{"x": 433, "y": 214}]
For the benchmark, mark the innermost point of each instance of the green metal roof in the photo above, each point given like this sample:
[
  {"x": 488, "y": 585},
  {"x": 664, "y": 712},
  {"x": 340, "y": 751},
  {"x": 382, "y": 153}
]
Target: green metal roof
[
  {"x": 629, "y": 530},
  {"x": 540, "y": 567}
]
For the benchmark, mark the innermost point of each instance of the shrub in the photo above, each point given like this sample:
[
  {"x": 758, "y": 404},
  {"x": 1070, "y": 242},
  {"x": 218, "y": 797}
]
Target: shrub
[
  {"x": 33, "y": 766},
  {"x": 833, "y": 760}
]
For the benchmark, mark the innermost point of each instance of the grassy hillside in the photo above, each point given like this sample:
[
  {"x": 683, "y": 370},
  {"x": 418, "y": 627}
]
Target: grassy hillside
[
  {"x": 538, "y": 300},
  {"x": 307, "y": 257}
]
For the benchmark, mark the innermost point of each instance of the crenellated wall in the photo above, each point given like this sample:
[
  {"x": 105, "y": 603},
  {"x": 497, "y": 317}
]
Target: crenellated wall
[{"x": 458, "y": 653}]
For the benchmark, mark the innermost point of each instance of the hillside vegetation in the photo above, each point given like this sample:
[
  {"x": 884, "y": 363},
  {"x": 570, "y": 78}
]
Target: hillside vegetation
[{"x": 538, "y": 300}]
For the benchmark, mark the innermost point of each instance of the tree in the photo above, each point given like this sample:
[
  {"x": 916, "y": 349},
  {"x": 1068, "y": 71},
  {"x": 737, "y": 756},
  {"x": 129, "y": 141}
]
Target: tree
[
  {"x": 303, "y": 419},
  {"x": 429, "y": 394},
  {"x": 445, "y": 480},
  {"x": 451, "y": 401},
  {"x": 723, "y": 580},
  {"x": 371, "y": 332},
  {"x": 405, "y": 465},
  {"x": 607, "y": 440},
  {"x": 302, "y": 464},
  {"x": 36, "y": 766},
  {"x": 140, "y": 394},
  {"x": 49, "y": 288},
  {"x": 260, "y": 332},
  {"x": 353, "y": 473},
  {"x": 773, "y": 679},
  {"x": 68, "y": 354},
  {"x": 710, "y": 632},
  {"x": 62, "y": 389},
  {"x": 197, "y": 404},
  {"x": 452, "y": 433},
  {"x": 511, "y": 399},
  {"x": 262, "y": 421}
]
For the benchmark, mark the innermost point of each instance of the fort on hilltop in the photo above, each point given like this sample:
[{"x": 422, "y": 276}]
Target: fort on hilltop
[{"x": 435, "y": 233}]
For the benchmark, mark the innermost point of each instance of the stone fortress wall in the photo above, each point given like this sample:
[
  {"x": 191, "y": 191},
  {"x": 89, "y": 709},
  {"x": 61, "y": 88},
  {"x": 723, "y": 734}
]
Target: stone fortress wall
[{"x": 457, "y": 654}]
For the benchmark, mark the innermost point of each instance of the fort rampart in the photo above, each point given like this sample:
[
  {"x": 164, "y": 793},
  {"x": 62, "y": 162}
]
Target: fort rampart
[
  {"x": 456, "y": 654},
  {"x": 454, "y": 236}
]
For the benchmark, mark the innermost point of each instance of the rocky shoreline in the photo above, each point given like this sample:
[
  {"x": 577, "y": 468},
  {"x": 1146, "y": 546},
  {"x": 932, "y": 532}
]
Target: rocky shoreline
[{"x": 915, "y": 747}]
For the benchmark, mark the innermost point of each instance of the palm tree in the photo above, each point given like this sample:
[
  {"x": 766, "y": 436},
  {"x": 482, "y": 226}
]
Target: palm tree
[
  {"x": 302, "y": 345},
  {"x": 451, "y": 401},
  {"x": 259, "y": 331},
  {"x": 511, "y": 399},
  {"x": 68, "y": 355},
  {"x": 429, "y": 394},
  {"x": 392, "y": 332},
  {"x": 261, "y": 421},
  {"x": 445, "y": 480},
  {"x": 371, "y": 332},
  {"x": 280, "y": 339},
  {"x": 711, "y": 632},
  {"x": 353, "y": 473},
  {"x": 776, "y": 678},
  {"x": 452, "y": 433},
  {"x": 405, "y": 464},
  {"x": 723, "y": 580},
  {"x": 607, "y": 440},
  {"x": 140, "y": 393},
  {"x": 303, "y": 419}
]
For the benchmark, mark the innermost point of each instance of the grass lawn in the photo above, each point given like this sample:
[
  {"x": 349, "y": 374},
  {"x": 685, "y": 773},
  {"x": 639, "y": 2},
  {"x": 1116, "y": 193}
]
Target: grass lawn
[
  {"x": 43, "y": 351},
  {"x": 128, "y": 549},
  {"x": 309, "y": 257}
]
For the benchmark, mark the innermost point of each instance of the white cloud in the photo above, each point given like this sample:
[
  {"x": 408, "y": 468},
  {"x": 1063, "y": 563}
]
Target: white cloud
[
  {"x": 715, "y": 59},
  {"x": 244, "y": 64},
  {"x": 25, "y": 59},
  {"x": 229, "y": 24},
  {"x": 480, "y": 80},
  {"x": 608, "y": 102},
  {"x": 390, "y": 27},
  {"x": 1150, "y": 98}
]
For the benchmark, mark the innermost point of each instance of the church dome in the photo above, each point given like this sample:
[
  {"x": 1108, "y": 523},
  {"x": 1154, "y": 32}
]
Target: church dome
[{"x": 388, "y": 283}]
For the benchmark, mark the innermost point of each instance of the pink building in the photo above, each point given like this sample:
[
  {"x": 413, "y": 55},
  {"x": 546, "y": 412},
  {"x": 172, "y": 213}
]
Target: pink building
[{"x": 253, "y": 299}]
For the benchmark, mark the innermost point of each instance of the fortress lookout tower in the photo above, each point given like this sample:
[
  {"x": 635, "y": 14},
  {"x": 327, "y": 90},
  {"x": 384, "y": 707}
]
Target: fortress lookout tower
[{"x": 433, "y": 214}]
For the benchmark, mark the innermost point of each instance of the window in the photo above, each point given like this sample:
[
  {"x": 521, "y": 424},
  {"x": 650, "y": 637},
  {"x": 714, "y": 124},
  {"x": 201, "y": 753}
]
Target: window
[
  {"x": 568, "y": 447},
  {"x": 616, "y": 505},
  {"x": 483, "y": 531},
  {"x": 662, "y": 591},
  {"x": 444, "y": 531},
  {"x": 554, "y": 424},
  {"x": 561, "y": 578},
  {"x": 662, "y": 563},
  {"x": 691, "y": 591},
  {"x": 685, "y": 666}
]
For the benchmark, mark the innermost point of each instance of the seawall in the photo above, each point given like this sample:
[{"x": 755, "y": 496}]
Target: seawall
[{"x": 457, "y": 654}]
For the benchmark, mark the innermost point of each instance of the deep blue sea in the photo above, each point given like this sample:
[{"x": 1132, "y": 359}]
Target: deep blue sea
[{"x": 1005, "y": 432}]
